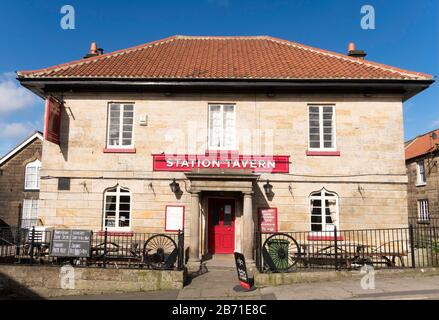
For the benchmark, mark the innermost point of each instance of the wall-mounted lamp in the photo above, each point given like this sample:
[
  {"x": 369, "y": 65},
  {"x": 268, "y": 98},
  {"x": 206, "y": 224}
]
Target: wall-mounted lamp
[
  {"x": 268, "y": 188},
  {"x": 175, "y": 186}
]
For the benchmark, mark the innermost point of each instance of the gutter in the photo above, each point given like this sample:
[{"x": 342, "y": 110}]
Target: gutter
[{"x": 408, "y": 88}]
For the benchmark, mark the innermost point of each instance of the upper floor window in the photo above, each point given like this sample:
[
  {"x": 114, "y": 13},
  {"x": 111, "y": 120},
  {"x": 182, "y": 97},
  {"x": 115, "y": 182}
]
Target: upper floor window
[
  {"x": 324, "y": 211},
  {"x": 222, "y": 127},
  {"x": 322, "y": 128},
  {"x": 32, "y": 175},
  {"x": 120, "y": 125},
  {"x": 420, "y": 169},
  {"x": 117, "y": 208},
  {"x": 423, "y": 212}
]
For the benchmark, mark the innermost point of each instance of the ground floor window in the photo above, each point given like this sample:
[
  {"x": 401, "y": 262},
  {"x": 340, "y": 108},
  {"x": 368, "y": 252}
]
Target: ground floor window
[
  {"x": 117, "y": 208},
  {"x": 423, "y": 212},
  {"x": 29, "y": 213},
  {"x": 324, "y": 211}
]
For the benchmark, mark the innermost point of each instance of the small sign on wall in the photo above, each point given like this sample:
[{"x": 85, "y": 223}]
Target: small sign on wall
[
  {"x": 268, "y": 220},
  {"x": 174, "y": 218}
]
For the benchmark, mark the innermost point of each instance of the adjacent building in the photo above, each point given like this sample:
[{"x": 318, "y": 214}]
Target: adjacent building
[
  {"x": 422, "y": 156},
  {"x": 222, "y": 136},
  {"x": 20, "y": 183}
]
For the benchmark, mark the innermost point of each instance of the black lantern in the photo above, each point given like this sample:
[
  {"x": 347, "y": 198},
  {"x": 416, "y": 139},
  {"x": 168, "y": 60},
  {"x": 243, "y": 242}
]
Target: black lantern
[
  {"x": 268, "y": 188},
  {"x": 175, "y": 186}
]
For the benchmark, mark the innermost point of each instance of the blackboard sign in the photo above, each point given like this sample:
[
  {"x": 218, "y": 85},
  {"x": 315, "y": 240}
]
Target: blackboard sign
[
  {"x": 243, "y": 278},
  {"x": 70, "y": 243}
]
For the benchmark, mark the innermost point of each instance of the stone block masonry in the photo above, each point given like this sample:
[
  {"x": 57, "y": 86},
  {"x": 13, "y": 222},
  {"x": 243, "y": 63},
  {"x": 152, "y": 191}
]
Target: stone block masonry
[{"x": 44, "y": 282}]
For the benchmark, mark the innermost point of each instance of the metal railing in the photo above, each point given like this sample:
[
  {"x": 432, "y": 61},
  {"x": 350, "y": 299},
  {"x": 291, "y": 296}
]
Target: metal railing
[
  {"x": 416, "y": 246},
  {"x": 107, "y": 249}
]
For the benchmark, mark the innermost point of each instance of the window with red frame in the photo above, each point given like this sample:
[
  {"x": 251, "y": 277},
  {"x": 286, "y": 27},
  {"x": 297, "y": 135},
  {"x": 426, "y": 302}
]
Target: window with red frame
[{"x": 120, "y": 126}]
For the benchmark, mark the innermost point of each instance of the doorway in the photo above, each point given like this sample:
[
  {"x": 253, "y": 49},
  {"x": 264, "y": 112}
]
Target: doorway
[{"x": 221, "y": 226}]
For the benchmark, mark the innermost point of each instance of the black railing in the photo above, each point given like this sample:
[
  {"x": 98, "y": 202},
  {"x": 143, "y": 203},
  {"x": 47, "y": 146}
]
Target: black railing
[
  {"x": 107, "y": 249},
  {"x": 416, "y": 246}
]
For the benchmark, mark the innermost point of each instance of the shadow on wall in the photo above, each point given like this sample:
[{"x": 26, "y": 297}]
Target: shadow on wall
[
  {"x": 13, "y": 290},
  {"x": 261, "y": 198},
  {"x": 66, "y": 113},
  {"x": 3, "y": 224}
]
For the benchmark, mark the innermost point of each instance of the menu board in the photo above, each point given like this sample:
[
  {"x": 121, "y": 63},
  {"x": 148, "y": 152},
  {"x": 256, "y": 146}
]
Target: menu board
[
  {"x": 268, "y": 220},
  {"x": 174, "y": 218},
  {"x": 71, "y": 243},
  {"x": 241, "y": 268}
]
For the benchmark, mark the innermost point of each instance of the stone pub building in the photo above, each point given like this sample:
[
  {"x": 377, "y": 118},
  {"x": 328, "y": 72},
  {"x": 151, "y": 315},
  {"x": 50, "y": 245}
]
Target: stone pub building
[{"x": 222, "y": 136}]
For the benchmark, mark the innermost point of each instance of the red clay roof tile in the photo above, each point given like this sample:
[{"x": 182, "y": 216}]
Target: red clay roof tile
[
  {"x": 259, "y": 57},
  {"x": 421, "y": 145}
]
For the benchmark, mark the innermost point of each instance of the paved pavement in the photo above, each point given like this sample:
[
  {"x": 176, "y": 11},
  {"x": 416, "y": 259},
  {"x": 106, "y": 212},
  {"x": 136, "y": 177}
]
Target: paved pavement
[
  {"x": 404, "y": 288},
  {"x": 221, "y": 284}
]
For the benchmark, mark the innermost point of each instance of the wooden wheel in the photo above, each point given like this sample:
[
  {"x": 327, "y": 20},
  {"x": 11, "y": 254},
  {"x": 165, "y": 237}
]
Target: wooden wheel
[
  {"x": 281, "y": 252},
  {"x": 157, "y": 250}
]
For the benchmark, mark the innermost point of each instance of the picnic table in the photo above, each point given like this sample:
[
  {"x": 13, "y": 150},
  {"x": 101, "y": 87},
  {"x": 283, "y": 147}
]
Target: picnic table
[
  {"x": 383, "y": 254},
  {"x": 115, "y": 254},
  {"x": 351, "y": 255}
]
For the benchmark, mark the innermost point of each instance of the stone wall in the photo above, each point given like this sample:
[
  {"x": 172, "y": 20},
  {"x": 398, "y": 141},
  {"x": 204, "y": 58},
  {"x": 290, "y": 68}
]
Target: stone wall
[
  {"x": 369, "y": 176},
  {"x": 12, "y": 177},
  {"x": 428, "y": 191},
  {"x": 44, "y": 282}
]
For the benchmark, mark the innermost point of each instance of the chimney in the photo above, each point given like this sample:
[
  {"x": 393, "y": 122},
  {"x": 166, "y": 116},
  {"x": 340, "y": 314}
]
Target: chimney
[
  {"x": 352, "y": 52},
  {"x": 94, "y": 51}
]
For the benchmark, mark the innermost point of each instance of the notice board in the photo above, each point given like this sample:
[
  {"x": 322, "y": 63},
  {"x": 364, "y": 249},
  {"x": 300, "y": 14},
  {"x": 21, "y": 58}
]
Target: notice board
[
  {"x": 174, "y": 218},
  {"x": 268, "y": 220},
  {"x": 70, "y": 243}
]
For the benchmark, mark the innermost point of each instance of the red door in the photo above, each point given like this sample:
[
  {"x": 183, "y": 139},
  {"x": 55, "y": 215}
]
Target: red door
[{"x": 221, "y": 226}]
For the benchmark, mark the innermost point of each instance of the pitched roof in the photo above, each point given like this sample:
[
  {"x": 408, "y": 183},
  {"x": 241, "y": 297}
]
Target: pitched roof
[
  {"x": 422, "y": 144},
  {"x": 32, "y": 137},
  {"x": 257, "y": 57}
]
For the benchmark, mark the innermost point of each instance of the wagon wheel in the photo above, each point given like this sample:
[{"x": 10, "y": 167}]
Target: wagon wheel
[
  {"x": 281, "y": 252},
  {"x": 157, "y": 249}
]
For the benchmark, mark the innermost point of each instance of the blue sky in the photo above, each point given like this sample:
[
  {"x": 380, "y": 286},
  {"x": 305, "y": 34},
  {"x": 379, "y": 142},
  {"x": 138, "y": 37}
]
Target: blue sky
[{"x": 406, "y": 36}]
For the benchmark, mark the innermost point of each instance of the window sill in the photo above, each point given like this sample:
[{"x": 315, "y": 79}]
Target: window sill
[
  {"x": 221, "y": 151},
  {"x": 323, "y": 153},
  {"x": 116, "y": 233},
  {"x": 421, "y": 184},
  {"x": 317, "y": 237},
  {"x": 116, "y": 150},
  {"x": 423, "y": 222}
]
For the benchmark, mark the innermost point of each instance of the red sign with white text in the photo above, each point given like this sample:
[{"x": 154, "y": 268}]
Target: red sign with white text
[
  {"x": 52, "y": 120},
  {"x": 268, "y": 220},
  {"x": 187, "y": 163}
]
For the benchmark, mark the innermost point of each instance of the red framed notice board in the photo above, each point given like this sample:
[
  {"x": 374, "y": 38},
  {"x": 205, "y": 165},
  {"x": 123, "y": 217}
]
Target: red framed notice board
[
  {"x": 268, "y": 220},
  {"x": 174, "y": 218}
]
